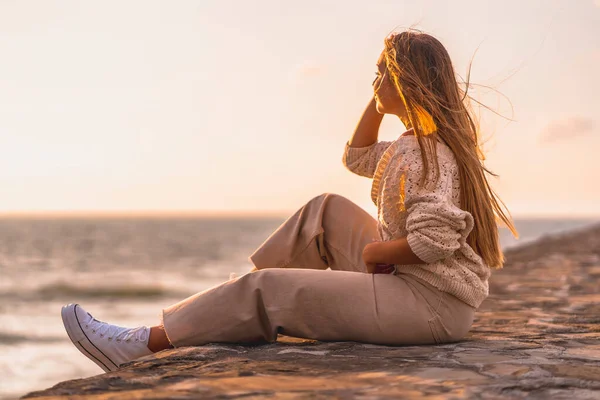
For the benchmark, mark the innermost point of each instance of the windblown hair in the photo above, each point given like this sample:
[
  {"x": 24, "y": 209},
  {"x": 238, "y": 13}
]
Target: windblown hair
[{"x": 422, "y": 73}]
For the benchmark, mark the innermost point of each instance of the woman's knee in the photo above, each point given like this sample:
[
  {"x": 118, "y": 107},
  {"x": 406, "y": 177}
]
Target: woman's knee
[
  {"x": 324, "y": 196},
  {"x": 334, "y": 200}
]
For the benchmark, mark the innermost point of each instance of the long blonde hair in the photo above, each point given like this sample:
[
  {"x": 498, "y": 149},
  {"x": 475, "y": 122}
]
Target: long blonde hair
[{"x": 422, "y": 73}]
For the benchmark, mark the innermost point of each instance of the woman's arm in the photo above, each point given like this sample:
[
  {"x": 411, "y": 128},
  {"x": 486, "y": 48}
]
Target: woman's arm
[
  {"x": 396, "y": 252},
  {"x": 363, "y": 151},
  {"x": 435, "y": 227},
  {"x": 367, "y": 129}
]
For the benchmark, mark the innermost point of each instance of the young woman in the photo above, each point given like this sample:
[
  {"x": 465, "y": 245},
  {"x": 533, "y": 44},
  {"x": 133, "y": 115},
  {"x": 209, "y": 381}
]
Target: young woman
[{"x": 332, "y": 272}]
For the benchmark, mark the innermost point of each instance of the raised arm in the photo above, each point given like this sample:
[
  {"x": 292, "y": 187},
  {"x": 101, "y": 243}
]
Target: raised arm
[
  {"x": 367, "y": 129},
  {"x": 362, "y": 152}
]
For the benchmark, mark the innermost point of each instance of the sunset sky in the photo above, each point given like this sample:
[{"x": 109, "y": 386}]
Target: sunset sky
[{"x": 245, "y": 106}]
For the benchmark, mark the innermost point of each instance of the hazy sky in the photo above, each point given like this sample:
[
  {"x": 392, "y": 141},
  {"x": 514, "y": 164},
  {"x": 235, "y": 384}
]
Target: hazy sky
[{"x": 246, "y": 105}]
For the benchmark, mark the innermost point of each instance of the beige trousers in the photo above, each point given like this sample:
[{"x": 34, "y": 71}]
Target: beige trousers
[{"x": 295, "y": 294}]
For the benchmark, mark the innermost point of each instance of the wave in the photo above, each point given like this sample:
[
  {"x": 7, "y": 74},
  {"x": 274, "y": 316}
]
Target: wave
[{"x": 65, "y": 290}]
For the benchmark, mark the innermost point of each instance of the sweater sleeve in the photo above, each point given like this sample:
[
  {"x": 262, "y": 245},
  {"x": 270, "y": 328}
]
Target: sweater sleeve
[
  {"x": 363, "y": 160},
  {"x": 435, "y": 227}
]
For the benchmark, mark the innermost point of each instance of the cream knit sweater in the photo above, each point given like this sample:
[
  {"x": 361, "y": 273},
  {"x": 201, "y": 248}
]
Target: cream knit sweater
[{"x": 431, "y": 219}]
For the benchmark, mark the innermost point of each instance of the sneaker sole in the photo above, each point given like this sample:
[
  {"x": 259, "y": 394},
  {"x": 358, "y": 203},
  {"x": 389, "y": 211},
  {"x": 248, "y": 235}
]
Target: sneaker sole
[{"x": 82, "y": 342}]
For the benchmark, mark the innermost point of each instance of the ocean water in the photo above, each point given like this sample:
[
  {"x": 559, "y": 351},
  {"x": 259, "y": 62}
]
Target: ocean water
[{"x": 123, "y": 271}]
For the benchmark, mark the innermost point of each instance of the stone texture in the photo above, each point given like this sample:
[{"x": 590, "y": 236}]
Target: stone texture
[{"x": 536, "y": 336}]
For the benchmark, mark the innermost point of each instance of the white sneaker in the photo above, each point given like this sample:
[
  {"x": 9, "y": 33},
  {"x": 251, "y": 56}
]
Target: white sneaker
[{"x": 107, "y": 345}]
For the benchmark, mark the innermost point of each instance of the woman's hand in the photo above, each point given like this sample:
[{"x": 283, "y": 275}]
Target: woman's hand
[
  {"x": 390, "y": 252},
  {"x": 369, "y": 257}
]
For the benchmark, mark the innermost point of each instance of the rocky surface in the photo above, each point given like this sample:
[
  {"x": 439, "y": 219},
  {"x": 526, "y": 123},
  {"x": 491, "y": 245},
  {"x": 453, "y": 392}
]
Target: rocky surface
[{"x": 536, "y": 336}]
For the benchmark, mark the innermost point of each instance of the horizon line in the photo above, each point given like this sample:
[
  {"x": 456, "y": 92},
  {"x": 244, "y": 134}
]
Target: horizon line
[
  {"x": 218, "y": 214},
  {"x": 142, "y": 213}
]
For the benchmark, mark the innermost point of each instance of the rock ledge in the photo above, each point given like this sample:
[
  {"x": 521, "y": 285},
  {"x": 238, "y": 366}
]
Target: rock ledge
[{"x": 536, "y": 336}]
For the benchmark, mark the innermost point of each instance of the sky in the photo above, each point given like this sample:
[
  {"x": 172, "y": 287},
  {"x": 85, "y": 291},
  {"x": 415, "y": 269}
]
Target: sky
[{"x": 215, "y": 106}]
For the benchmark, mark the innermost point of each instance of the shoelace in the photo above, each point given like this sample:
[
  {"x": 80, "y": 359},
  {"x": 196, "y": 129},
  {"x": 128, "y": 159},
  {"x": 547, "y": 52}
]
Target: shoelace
[{"x": 117, "y": 332}]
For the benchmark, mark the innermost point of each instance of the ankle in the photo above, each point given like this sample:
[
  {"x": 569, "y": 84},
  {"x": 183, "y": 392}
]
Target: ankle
[{"x": 158, "y": 339}]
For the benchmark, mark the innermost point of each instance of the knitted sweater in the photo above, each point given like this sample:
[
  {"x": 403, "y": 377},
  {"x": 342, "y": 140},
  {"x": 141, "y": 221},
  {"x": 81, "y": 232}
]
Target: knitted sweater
[{"x": 430, "y": 218}]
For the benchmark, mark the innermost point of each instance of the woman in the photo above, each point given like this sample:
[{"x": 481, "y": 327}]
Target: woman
[{"x": 332, "y": 272}]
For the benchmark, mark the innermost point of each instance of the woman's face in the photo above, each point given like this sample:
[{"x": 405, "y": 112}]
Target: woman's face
[{"x": 387, "y": 98}]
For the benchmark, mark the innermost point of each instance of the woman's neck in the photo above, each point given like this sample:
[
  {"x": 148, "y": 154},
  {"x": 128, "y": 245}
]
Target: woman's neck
[{"x": 409, "y": 132}]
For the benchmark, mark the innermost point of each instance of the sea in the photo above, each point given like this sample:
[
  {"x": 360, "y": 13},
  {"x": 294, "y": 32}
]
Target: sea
[{"x": 124, "y": 270}]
